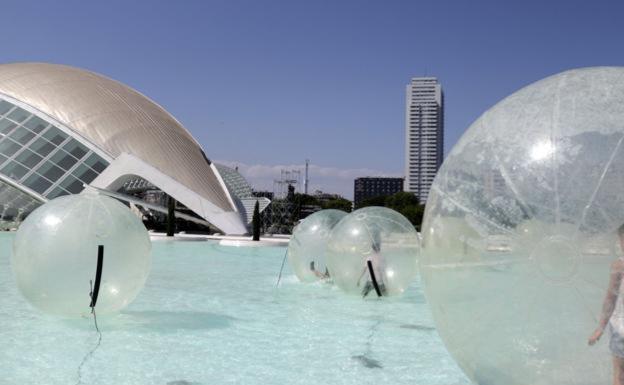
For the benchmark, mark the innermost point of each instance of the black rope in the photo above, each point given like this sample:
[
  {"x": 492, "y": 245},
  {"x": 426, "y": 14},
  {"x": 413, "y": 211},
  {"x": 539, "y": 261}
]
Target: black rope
[
  {"x": 371, "y": 335},
  {"x": 279, "y": 277},
  {"x": 366, "y": 358},
  {"x": 93, "y": 294},
  {"x": 99, "y": 341}
]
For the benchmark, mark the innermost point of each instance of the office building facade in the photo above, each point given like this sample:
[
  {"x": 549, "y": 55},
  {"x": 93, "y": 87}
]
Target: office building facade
[
  {"x": 370, "y": 187},
  {"x": 424, "y": 135}
]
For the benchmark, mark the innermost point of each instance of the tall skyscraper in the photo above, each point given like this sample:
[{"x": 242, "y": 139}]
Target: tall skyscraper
[{"x": 424, "y": 135}]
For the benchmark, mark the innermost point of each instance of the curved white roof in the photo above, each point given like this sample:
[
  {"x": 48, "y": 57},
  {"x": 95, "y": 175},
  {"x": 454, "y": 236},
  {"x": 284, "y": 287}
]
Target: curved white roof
[{"x": 117, "y": 119}]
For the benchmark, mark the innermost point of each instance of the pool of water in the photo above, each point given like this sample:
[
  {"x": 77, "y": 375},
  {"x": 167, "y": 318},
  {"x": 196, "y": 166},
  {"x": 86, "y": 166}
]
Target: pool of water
[{"x": 212, "y": 314}]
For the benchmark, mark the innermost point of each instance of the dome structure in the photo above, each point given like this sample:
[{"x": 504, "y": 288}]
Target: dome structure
[
  {"x": 242, "y": 192},
  {"x": 64, "y": 127}
]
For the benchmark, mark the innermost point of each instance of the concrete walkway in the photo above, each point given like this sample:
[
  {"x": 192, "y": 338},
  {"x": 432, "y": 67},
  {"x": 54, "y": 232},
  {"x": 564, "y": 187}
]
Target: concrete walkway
[{"x": 226, "y": 240}]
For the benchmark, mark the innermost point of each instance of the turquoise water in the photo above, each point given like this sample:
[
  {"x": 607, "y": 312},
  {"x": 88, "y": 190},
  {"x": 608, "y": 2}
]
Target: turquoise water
[{"x": 211, "y": 314}]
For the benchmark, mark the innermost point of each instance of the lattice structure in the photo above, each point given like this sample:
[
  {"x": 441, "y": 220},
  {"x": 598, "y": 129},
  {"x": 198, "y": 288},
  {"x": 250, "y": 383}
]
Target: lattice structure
[
  {"x": 287, "y": 178},
  {"x": 279, "y": 217}
]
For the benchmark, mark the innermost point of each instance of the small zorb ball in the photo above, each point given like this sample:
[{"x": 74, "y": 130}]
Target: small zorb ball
[
  {"x": 521, "y": 230},
  {"x": 373, "y": 252},
  {"x": 55, "y": 253},
  {"x": 306, "y": 249}
]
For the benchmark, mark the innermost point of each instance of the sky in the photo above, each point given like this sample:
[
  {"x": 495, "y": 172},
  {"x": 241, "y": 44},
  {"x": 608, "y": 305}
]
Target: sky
[{"x": 264, "y": 85}]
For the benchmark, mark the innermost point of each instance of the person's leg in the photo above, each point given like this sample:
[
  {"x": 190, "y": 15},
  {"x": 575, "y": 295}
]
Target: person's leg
[
  {"x": 616, "y": 345},
  {"x": 618, "y": 370},
  {"x": 367, "y": 288}
]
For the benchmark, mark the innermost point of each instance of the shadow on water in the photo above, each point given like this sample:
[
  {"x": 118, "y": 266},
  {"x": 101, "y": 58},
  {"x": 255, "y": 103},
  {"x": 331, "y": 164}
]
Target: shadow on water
[
  {"x": 158, "y": 321},
  {"x": 421, "y": 328},
  {"x": 183, "y": 382},
  {"x": 368, "y": 362}
]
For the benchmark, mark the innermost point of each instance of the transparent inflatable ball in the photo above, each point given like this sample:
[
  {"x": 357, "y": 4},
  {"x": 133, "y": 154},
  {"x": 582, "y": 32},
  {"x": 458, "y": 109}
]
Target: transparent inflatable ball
[
  {"x": 521, "y": 232},
  {"x": 306, "y": 249},
  {"x": 55, "y": 254},
  {"x": 373, "y": 252}
]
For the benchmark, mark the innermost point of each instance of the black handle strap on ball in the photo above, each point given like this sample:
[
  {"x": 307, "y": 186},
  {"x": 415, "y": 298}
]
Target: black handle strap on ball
[
  {"x": 98, "y": 276},
  {"x": 372, "y": 275}
]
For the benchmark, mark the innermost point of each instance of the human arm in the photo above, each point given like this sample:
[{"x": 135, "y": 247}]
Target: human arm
[{"x": 314, "y": 271}]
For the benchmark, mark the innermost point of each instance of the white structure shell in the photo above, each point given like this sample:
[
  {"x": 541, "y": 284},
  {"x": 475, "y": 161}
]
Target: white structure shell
[{"x": 63, "y": 127}]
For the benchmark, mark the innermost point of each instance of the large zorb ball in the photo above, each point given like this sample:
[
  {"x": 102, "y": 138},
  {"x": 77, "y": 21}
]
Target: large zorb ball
[
  {"x": 520, "y": 232},
  {"x": 382, "y": 237},
  {"x": 55, "y": 255},
  {"x": 306, "y": 249}
]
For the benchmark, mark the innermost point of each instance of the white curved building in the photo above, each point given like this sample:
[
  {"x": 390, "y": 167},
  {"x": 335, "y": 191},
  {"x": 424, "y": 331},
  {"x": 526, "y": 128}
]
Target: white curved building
[{"x": 63, "y": 127}]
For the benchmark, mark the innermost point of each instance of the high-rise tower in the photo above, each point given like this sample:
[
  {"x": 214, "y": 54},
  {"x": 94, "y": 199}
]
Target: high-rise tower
[{"x": 424, "y": 135}]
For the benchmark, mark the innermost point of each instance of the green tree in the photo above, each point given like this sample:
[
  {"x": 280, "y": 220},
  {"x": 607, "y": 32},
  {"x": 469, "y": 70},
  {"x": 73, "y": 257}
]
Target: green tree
[
  {"x": 403, "y": 202},
  {"x": 305, "y": 199},
  {"x": 414, "y": 214},
  {"x": 170, "y": 216},
  {"x": 374, "y": 201},
  {"x": 338, "y": 204},
  {"x": 255, "y": 222}
]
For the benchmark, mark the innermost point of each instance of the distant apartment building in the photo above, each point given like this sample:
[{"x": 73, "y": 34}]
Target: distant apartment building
[
  {"x": 370, "y": 187},
  {"x": 424, "y": 135}
]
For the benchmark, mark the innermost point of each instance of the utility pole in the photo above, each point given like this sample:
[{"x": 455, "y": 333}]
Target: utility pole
[{"x": 306, "y": 182}]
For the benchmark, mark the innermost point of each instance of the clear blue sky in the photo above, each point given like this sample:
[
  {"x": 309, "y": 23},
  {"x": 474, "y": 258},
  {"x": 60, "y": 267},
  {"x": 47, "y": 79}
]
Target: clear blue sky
[{"x": 274, "y": 82}]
